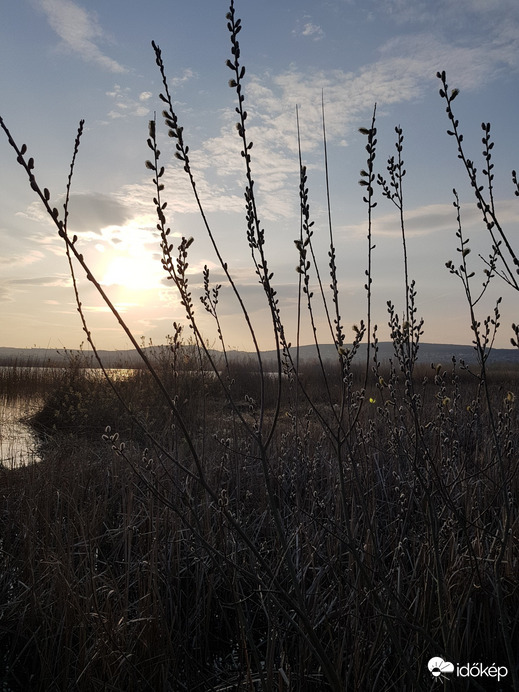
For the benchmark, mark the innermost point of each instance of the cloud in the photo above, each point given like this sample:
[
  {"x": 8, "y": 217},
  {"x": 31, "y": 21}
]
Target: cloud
[
  {"x": 420, "y": 56},
  {"x": 492, "y": 26},
  {"x": 92, "y": 211},
  {"x": 453, "y": 13},
  {"x": 274, "y": 168},
  {"x": 22, "y": 260},
  {"x": 88, "y": 212},
  {"x": 405, "y": 72},
  {"x": 312, "y": 30},
  {"x": 79, "y": 30},
  {"x": 125, "y": 105},
  {"x": 5, "y": 294},
  {"x": 41, "y": 281},
  {"x": 9, "y": 288},
  {"x": 215, "y": 195},
  {"x": 432, "y": 219},
  {"x": 308, "y": 29},
  {"x": 187, "y": 75}
]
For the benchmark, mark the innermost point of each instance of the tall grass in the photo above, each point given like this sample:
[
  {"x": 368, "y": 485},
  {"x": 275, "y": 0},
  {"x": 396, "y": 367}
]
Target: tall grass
[{"x": 330, "y": 528}]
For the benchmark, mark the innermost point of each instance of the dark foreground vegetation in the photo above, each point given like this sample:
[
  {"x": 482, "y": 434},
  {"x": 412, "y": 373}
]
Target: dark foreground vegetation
[
  {"x": 209, "y": 526},
  {"x": 120, "y": 572}
]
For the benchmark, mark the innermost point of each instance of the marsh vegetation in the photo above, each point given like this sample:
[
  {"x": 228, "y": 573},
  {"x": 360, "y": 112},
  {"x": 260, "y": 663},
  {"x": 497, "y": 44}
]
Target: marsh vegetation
[
  {"x": 210, "y": 526},
  {"x": 118, "y": 567}
]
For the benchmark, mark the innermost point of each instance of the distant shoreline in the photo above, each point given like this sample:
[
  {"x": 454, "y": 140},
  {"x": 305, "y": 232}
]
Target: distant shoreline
[{"x": 427, "y": 353}]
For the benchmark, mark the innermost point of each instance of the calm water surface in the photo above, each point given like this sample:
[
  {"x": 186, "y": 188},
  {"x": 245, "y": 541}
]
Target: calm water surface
[{"x": 18, "y": 443}]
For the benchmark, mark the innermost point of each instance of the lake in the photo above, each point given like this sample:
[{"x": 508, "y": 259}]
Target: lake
[{"x": 18, "y": 443}]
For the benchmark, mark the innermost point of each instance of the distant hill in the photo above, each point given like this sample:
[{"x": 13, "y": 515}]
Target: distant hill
[
  {"x": 53, "y": 357},
  {"x": 428, "y": 353}
]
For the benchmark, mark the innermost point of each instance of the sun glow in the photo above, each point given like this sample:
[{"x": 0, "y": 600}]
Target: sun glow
[
  {"x": 129, "y": 263},
  {"x": 132, "y": 273}
]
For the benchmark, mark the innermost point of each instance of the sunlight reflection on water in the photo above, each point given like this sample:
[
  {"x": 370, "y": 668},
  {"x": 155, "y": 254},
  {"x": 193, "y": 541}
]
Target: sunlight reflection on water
[{"x": 18, "y": 443}]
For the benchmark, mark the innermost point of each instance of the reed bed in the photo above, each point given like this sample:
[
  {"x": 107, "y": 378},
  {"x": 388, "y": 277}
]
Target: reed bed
[{"x": 137, "y": 578}]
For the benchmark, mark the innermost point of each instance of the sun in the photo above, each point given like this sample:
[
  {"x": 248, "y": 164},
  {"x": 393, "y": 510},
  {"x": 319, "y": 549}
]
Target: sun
[
  {"x": 131, "y": 273},
  {"x": 129, "y": 265}
]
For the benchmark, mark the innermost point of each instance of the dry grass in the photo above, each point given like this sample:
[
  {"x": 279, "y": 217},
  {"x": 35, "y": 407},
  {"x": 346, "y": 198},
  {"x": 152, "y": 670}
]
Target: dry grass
[{"x": 115, "y": 579}]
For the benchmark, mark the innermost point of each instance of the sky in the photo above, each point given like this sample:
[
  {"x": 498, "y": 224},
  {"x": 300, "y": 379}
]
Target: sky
[{"x": 66, "y": 60}]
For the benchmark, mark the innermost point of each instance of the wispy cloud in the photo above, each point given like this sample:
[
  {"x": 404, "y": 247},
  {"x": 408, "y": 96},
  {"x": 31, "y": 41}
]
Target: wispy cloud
[
  {"x": 10, "y": 288},
  {"x": 215, "y": 194},
  {"x": 405, "y": 72},
  {"x": 80, "y": 32},
  {"x": 308, "y": 29},
  {"x": 434, "y": 219},
  {"x": 126, "y": 105},
  {"x": 21, "y": 260},
  {"x": 491, "y": 27},
  {"x": 313, "y": 31},
  {"x": 186, "y": 76},
  {"x": 56, "y": 280},
  {"x": 453, "y": 13},
  {"x": 5, "y": 294}
]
